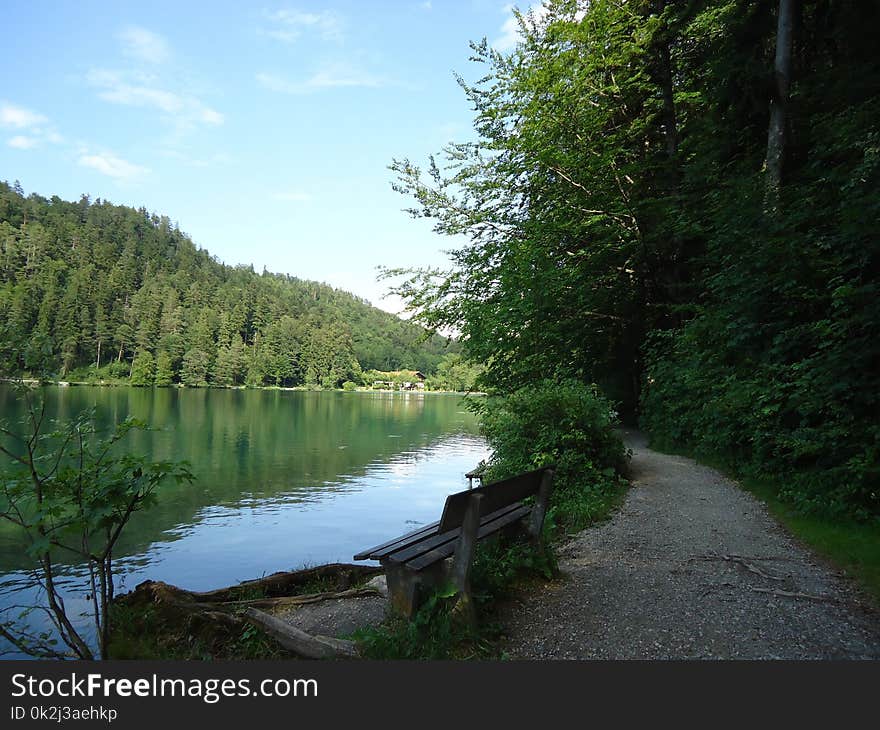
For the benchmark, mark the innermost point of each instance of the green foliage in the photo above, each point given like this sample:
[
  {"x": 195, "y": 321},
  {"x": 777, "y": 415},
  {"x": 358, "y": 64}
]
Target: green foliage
[
  {"x": 194, "y": 372},
  {"x": 618, "y": 230},
  {"x": 502, "y": 564},
  {"x": 150, "y": 632},
  {"x": 777, "y": 373},
  {"x": 71, "y": 492},
  {"x": 85, "y": 282},
  {"x": 398, "y": 377},
  {"x": 433, "y": 633},
  {"x": 455, "y": 373},
  {"x": 164, "y": 369},
  {"x": 563, "y": 423},
  {"x": 143, "y": 369},
  {"x": 551, "y": 283}
]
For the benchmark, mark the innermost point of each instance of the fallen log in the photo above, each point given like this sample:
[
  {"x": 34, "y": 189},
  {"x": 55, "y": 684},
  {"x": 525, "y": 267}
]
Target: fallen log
[
  {"x": 336, "y": 576},
  {"x": 299, "y": 642},
  {"x": 211, "y": 622},
  {"x": 290, "y": 601}
]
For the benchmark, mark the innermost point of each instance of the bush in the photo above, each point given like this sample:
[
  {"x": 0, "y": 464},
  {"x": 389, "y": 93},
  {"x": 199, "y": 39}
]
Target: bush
[
  {"x": 143, "y": 369},
  {"x": 564, "y": 423},
  {"x": 119, "y": 369},
  {"x": 800, "y": 426}
]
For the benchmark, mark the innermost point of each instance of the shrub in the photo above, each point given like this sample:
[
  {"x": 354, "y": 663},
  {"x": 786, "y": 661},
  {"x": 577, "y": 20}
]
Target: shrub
[
  {"x": 564, "y": 423},
  {"x": 800, "y": 426},
  {"x": 143, "y": 369}
]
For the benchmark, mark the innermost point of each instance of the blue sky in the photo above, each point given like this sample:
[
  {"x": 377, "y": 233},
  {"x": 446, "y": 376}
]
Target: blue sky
[{"x": 265, "y": 131}]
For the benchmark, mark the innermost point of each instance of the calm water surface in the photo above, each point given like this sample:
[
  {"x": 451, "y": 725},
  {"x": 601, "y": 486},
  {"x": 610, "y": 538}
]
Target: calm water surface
[{"x": 283, "y": 479}]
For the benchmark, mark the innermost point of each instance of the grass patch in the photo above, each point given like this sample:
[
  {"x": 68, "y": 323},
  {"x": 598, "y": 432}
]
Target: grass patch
[
  {"x": 156, "y": 621},
  {"x": 148, "y": 632},
  {"x": 438, "y": 631},
  {"x": 435, "y": 632},
  {"x": 584, "y": 505},
  {"x": 853, "y": 547}
]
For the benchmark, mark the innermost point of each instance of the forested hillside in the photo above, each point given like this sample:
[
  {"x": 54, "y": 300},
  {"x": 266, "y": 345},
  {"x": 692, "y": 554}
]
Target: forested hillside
[
  {"x": 679, "y": 201},
  {"x": 89, "y": 288}
]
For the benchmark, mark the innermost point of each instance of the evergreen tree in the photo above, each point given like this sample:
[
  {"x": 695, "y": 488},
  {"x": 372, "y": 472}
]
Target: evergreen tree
[
  {"x": 143, "y": 369},
  {"x": 164, "y": 369},
  {"x": 195, "y": 368},
  {"x": 97, "y": 283}
]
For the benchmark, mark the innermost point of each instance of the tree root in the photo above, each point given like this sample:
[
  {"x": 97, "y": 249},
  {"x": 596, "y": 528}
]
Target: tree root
[
  {"x": 285, "y": 601},
  {"x": 299, "y": 642},
  {"x": 218, "y": 617},
  {"x": 794, "y": 594},
  {"x": 739, "y": 560}
]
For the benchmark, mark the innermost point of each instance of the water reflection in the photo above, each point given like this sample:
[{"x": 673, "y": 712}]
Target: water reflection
[{"x": 284, "y": 479}]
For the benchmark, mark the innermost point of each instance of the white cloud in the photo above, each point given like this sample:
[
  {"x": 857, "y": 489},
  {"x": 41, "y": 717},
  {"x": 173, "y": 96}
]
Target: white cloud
[
  {"x": 18, "y": 117},
  {"x": 20, "y": 142},
  {"x": 112, "y": 166},
  {"x": 293, "y": 197},
  {"x": 289, "y": 25},
  {"x": 426, "y": 5},
  {"x": 333, "y": 76},
  {"x": 184, "y": 110},
  {"x": 144, "y": 45},
  {"x": 34, "y": 124}
]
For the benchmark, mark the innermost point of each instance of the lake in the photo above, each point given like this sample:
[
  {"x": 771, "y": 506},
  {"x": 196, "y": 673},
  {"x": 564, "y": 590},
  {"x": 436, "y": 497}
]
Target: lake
[{"x": 284, "y": 479}]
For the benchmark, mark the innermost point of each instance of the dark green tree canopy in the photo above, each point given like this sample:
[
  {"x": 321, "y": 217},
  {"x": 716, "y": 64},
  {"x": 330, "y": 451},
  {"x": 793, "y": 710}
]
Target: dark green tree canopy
[
  {"x": 91, "y": 285},
  {"x": 677, "y": 201}
]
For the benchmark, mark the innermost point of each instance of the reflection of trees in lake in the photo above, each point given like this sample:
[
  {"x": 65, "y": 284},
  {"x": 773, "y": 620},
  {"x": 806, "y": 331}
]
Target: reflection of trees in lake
[{"x": 260, "y": 445}]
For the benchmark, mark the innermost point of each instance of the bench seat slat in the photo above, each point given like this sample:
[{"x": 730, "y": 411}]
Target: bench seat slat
[
  {"x": 380, "y": 551},
  {"x": 405, "y": 554},
  {"x": 446, "y": 549}
]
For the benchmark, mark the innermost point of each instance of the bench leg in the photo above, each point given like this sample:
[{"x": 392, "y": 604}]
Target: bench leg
[
  {"x": 464, "y": 559},
  {"x": 407, "y": 588},
  {"x": 403, "y": 589},
  {"x": 539, "y": 511}
]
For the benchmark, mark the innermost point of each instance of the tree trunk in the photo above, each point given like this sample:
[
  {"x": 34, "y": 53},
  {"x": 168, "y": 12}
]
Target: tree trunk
[
  {"x": 776, "y": 136},
  {"x": 670, "y": 121}
]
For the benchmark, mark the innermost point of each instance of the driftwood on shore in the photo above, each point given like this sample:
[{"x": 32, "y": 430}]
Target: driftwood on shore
[
  {"x": 220, "y": 615},
  {"x": 337, "y": 577},
  {"x": 299, "y": 642}
]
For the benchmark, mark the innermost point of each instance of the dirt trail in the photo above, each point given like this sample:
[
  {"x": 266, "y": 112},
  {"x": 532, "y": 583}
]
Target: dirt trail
[{"x": 691, "y": 567}]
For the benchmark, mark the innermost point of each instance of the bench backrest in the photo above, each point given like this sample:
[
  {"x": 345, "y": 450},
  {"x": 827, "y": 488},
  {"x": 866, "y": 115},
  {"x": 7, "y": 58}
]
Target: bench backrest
[{"x": 495, "y": 496}]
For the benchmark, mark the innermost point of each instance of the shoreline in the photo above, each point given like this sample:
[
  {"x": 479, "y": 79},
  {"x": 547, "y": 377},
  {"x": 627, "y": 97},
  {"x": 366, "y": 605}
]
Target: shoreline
[{"x": 180, "y": 386}]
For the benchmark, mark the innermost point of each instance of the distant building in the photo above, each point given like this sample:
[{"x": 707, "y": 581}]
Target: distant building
[{"x": 417, "y": 382}]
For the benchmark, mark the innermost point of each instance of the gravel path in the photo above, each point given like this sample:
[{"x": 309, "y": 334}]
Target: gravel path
[
  {"x": 338, "y": 617},
  {"x": 691, "y": 567}
]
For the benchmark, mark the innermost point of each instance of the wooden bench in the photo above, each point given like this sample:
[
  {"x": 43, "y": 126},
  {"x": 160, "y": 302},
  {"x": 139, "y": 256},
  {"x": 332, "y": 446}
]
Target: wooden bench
[{"x": 418, "y": 560}]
